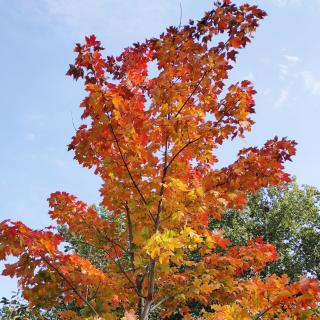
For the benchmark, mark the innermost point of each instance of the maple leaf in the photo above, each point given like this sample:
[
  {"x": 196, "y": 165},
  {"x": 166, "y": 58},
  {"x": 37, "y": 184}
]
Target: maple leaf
[{"x": 235, "y": 42}]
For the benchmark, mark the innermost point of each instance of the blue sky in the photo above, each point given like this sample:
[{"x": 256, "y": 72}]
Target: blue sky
[{"x": 38, "y": 102}]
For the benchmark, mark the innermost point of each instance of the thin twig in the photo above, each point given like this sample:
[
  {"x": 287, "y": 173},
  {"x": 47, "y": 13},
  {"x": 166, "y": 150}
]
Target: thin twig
[
  {"x": 74, "y": 127},
  {"x": 180, "y": 21}
]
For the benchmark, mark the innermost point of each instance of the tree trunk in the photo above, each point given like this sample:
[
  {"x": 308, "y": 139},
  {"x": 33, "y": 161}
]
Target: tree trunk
[{"x": 146, "y": 310}]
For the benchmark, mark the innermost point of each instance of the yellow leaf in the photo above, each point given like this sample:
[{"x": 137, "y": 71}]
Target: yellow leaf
[
  {"x": 116, "y": 100},
  {"x": 178, "y": 184},
  {"x": 116, "y": 114}
]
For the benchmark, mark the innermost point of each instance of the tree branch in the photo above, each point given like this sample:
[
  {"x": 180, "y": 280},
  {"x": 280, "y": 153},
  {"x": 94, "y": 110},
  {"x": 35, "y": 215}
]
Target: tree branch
[
  {"x": 130, "y": 236},
  {"x": 218, "y": 51},
  {"x": 102, "y": 234},
  {"x": 157, "y": 305},
  {"x": 184, "y": 147},
  {"x": 193, "y": 92},
  {"x": 56, "y": 269},
  {"x": 128, "y": 170},
  {"x": 118, "y": 263},
  {"x": 151, "y": 286}
]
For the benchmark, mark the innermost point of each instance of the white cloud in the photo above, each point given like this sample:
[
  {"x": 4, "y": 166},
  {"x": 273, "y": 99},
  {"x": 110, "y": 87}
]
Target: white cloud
[
  {"x": 283, "y": 71},
  {"x": 311, "y": 83},
  {"x": 290, "y": 58},
  {"x": 284, "y": 68},
  {"x": 282, "y": 98}
]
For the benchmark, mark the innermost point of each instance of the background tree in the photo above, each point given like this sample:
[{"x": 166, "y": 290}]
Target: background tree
[
  {"x": 16, "y": 308},
  {"x": 287, "y": 217},
  {"x": 152, "y": 140}
]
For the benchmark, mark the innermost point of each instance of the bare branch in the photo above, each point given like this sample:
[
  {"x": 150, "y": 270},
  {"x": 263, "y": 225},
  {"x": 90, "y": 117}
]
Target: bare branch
[
  {"x": 180, "y": 21},
  {"x": 74, "y": 127}
]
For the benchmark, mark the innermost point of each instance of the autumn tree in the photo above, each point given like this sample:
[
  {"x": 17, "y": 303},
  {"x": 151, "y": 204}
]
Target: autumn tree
[{"x": 152, "y": 140}]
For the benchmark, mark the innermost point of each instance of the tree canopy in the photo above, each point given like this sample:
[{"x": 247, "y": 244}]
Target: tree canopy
[{"x": 152, "y": 140}]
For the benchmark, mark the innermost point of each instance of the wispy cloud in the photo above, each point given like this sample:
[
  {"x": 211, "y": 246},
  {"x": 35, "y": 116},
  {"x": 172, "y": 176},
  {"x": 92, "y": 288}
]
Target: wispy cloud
[
  {"x": 283, "y": 71},
  {"x": 286, "y": 69},
  {"x": 311, "y": 83},
  {"x": 292, "y": 74},
  {"x": 290, "y": 58},
  {"x": 282, "y": 98}
]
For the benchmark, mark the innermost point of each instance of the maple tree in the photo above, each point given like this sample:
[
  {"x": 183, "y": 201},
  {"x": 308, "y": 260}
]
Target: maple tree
[{"x": 151, "y": 138}]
